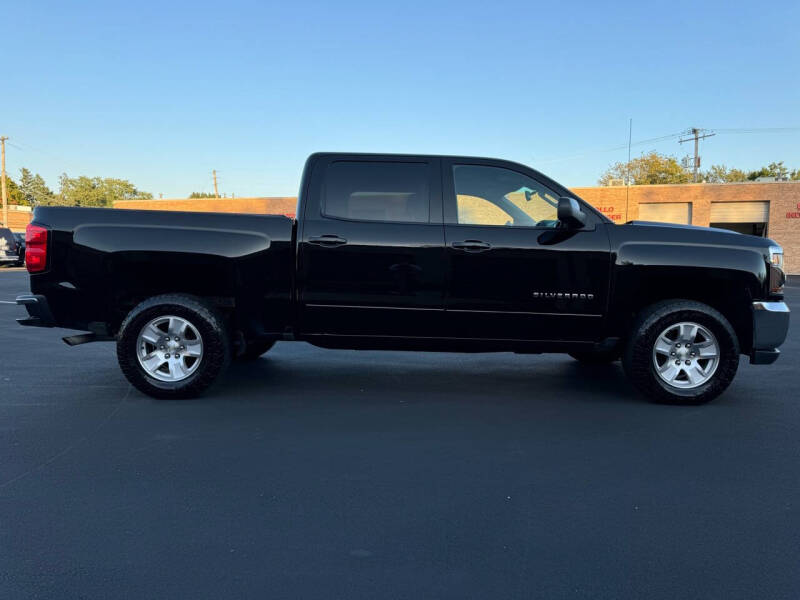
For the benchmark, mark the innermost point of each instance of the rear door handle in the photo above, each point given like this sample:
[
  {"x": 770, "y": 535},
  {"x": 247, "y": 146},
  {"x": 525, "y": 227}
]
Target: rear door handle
[
  {"x": 327, "y": 240},
  {"x": 472, "y": 246}
]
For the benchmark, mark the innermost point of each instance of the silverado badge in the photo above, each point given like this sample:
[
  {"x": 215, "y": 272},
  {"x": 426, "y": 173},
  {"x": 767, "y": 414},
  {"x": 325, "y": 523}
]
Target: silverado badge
[{"x": 563, "y": 295}]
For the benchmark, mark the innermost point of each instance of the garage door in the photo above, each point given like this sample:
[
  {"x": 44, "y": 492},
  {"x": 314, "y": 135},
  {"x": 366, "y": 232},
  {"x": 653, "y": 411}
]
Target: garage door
[
  {"x": 739, "y": 212},
  {"x": 666, "y": 212}
]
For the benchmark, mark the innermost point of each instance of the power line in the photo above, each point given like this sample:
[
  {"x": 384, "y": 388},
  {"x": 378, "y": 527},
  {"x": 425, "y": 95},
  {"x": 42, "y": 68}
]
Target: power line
[
  {"x": 615, "y": 148},
  {"x": 671, "y": 136},
  {"x": 758, "y": 130},
  {"x": 66, "y": 163}
]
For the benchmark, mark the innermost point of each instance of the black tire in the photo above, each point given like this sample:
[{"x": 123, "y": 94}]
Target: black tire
[
  {"x": 208, "y": 322},
  {"x": 255, "y": 349},
  {"x": 597, "y": 357},
  {"x": 638, "y": 359}
]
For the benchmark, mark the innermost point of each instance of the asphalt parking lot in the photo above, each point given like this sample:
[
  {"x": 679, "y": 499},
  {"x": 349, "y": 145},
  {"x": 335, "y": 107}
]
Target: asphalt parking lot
[{"x": 334, "y": 474}]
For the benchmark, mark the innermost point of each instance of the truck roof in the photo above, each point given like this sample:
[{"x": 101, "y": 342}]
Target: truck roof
[
  {"x": 406, "y": 155},
  {"x": 562, "y": 191}
]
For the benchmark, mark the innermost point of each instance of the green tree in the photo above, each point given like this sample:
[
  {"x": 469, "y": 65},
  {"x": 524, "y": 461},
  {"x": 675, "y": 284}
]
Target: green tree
[
  {"x": 41, "y": 193},
  {"x": 26, "y": 185},
  {"x": 773, "y": 169},
  {"x": 201, "y": 195},
  {"x": 722, "y": 174},
  {"x": 34, "y": 189},
  {"x": 15, "y": 195},
  {"x": 779, "y": 169},
  {"x": 95, "y": 191},
  {"x": 648, "y": 169}
]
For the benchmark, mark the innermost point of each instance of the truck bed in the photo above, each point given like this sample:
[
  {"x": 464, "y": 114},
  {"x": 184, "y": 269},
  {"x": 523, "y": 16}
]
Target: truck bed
[{"x": 102, "y": 262}]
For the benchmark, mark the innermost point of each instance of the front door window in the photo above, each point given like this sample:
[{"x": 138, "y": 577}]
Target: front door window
[{"x": 502, "y": 197}]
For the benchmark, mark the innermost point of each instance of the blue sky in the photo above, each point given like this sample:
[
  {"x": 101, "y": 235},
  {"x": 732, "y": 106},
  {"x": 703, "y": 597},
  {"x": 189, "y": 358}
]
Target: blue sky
[{"x": 162, "y": 93}]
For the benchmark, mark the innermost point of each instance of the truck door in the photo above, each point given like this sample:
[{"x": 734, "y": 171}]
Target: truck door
[
  {"x": 514, "y": 272},
  {"x": 371, "y": 248}
]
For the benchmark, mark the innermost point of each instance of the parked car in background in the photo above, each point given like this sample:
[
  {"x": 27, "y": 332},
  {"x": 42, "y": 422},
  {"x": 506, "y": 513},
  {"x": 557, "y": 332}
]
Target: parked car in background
[
  {"x": 9, "y": 249},
  {"x": 20, "y": 237}
]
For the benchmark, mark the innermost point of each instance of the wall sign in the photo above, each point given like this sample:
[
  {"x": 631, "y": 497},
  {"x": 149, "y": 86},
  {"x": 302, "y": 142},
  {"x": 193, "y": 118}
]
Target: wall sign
[{"x": 609, "y": 212}]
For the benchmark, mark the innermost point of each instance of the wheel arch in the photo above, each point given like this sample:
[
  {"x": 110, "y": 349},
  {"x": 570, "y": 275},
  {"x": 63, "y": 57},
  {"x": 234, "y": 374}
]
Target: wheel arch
[
  {"x": 210, "y": 333},
  {"x": 730, "y": 294},
  {"x": 249, "y": 296}
]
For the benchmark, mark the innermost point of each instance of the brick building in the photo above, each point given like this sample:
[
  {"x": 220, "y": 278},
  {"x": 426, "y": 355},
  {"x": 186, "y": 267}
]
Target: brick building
[
  {"x": 18, "y": 217},
  {"x": 767, "y": 209},
  {"x": 263, "y": 206},
  {"x": 770, "y": 209}
]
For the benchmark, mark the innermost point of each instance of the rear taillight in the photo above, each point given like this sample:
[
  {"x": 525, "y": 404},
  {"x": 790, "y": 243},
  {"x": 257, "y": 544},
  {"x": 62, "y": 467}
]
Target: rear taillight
[{"x": 35, "y": 248}]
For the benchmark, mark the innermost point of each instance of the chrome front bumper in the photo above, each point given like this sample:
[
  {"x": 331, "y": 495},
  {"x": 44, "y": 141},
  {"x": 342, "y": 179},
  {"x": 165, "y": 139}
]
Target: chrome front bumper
[{"x": 770, "y": 327}]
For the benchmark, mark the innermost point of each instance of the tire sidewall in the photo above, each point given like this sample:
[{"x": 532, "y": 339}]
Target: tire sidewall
[
  {"x": 211, "y": 363},
  {"x": 639, "y": 353}
]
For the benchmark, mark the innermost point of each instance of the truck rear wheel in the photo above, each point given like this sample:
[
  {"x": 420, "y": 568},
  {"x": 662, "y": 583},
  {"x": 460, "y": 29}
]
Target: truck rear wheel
[
  {"x": 681, "y": 352},
  {"x": 173, "y": 346}
]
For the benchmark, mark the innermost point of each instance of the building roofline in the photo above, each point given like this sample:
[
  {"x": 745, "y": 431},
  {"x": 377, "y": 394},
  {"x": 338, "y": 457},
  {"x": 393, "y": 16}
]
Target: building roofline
[
  {"x": 212, "y": 198},
  {"x": 655, "y": 185}
]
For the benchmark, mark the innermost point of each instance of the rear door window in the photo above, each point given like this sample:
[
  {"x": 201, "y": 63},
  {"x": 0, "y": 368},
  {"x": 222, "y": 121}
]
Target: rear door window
[{"x": 396, "y": 192}]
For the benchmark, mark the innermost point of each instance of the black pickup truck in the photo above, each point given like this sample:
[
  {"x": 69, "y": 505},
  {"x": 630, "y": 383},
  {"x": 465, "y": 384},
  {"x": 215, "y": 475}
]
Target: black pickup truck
[{"x": 424, "y": 253}]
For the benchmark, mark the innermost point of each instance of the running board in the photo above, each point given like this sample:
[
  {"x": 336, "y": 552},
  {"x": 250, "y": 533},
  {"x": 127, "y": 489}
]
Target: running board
[{"x": 82, "y": 338}]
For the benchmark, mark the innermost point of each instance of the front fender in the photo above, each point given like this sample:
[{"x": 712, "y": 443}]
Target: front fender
[
  {"x": 744, "y": 267},
  {"x": 724, "y": 277}
]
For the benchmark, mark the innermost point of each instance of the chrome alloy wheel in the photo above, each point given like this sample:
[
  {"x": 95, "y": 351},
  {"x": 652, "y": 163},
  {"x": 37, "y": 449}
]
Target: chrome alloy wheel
[
  {"x": 169, "y": 348},
  {"x": 686, "y": 355}
]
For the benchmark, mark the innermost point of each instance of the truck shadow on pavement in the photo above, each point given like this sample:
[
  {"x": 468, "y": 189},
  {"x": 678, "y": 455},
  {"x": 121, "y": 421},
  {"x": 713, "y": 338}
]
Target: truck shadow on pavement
[{"x": 415, "y": 377}]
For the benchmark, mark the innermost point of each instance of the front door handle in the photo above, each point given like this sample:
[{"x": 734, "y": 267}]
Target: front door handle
[
  {"x": 472, "y": 246},
  {"x": 327, "y": 240}
]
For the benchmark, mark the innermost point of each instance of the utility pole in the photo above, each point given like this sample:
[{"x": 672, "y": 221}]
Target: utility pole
[
  {"x": 628, "y": 169},
  {"x": 695, "y": 134},
  {"x": 3, "y": 177},
  {"x": 216, "y": 191}
]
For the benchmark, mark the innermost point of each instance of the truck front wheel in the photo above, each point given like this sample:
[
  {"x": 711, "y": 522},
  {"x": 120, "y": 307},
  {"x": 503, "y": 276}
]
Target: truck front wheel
[
  {"x": 681, "y": 352},
  {"x": 173, "y": 346}
]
